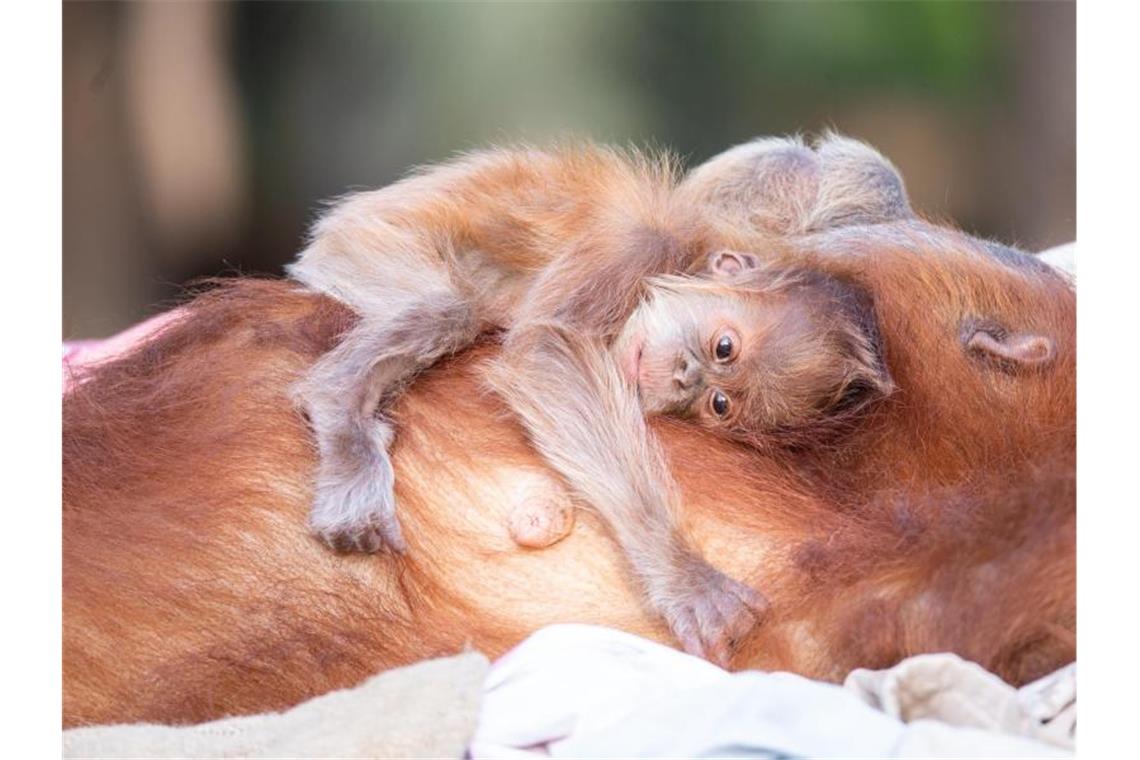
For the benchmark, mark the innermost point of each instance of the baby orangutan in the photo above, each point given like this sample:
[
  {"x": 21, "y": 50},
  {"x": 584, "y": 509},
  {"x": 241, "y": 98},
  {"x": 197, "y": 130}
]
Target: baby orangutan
[{"x": 621, "y": 292}]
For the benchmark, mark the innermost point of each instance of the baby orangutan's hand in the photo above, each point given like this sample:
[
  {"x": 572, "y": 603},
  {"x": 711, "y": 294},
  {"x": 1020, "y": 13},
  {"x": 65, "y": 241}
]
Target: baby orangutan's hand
[{"x": 708, "y": 612}]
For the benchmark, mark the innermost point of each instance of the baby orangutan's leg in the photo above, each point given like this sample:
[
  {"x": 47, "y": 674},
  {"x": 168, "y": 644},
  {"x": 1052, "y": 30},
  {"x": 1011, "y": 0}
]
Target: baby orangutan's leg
[
  {"x": 354, "y": 508},
  {"x": 783, "y": 186}
]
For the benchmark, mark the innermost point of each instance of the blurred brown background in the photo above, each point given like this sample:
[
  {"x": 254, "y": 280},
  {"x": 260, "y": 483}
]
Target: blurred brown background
[{"x": 200, "y": 138}]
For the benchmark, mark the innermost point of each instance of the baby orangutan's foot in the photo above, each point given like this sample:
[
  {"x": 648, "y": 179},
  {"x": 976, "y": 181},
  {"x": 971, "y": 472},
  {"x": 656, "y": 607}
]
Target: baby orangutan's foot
[
  {"x": 708, "y": 612},
  {"x": 373, "y": 533},
  {"x": 356, "y": 511}
]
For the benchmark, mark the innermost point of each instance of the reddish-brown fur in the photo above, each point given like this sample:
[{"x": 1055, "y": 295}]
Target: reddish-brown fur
[{"x": 192, "y": 590}]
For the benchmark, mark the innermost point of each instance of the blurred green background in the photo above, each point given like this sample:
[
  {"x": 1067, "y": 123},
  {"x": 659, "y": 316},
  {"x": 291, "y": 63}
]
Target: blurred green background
[{"x": 200, "y": 138}]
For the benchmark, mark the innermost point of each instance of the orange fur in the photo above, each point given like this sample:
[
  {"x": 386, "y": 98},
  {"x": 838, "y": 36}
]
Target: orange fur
[{"x": 945, "y": 520}]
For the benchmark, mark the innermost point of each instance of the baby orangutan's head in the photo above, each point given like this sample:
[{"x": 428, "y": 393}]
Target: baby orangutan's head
[{"x": 753, "y": 351}]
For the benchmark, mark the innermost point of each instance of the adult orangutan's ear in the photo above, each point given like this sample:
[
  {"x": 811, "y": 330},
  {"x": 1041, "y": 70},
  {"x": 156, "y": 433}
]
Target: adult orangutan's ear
[
  {"x": 1011, "y": 350},
  {"x": 731, "y": 263}
]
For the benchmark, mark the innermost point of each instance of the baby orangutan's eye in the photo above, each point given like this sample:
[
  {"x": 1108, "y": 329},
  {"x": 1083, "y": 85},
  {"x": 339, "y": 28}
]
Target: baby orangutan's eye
[
  {"x": 725, "y": 349},
  {"x": 719, "y": 403}
]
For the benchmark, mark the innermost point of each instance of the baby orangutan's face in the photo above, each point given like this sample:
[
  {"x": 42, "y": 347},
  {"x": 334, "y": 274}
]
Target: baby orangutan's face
[
  {"x": 742, "y": 354},
  {"x": 683, "y": 349}
]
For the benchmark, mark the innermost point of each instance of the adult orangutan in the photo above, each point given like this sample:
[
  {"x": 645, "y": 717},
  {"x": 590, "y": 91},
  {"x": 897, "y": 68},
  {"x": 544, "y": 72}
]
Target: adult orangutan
[{"x": 941, "y": 519}]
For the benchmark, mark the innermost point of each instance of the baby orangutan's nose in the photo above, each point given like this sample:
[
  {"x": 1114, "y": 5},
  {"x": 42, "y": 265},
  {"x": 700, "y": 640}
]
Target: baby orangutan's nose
[{"x": 686, "y": 373}]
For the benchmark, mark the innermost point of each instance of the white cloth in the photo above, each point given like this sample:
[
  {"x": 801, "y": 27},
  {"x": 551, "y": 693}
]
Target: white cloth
[
  {"x": 1063, "y": 257},
  {"x": 585, "y": 691}
]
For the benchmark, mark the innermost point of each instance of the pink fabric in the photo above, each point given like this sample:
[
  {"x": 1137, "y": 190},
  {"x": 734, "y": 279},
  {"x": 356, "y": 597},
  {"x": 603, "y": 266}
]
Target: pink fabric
[{"x": 79, "y": 354}]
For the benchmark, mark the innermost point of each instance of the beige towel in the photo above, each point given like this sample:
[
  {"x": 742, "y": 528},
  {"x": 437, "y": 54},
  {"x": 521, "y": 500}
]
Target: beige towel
[
  {"x": 424, "y": 710},
  {"x": 946, "y": 688}
]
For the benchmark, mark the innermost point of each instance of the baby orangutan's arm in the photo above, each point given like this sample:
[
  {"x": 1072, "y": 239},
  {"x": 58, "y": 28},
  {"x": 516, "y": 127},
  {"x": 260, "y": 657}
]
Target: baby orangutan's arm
[{"x": 582, "y": 417}]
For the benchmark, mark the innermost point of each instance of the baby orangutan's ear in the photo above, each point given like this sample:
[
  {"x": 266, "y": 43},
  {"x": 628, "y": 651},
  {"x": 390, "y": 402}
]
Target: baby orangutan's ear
[
  {"x": 731, "y": 263},
  {"x": 867, "y": 379}
]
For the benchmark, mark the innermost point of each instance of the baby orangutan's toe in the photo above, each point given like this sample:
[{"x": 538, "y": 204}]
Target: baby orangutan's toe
[{"x": 369, "y": 537}]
